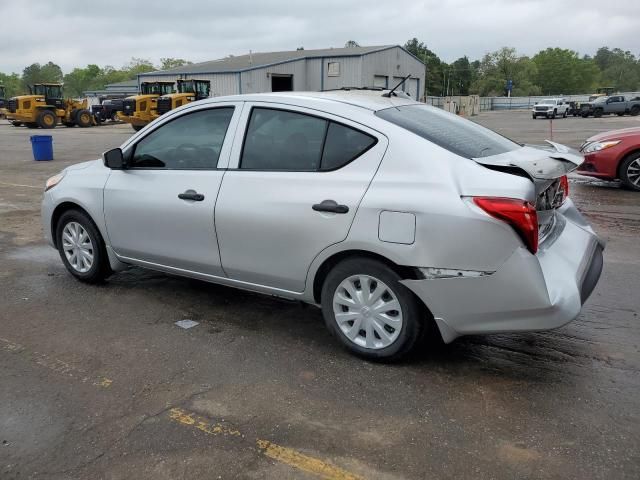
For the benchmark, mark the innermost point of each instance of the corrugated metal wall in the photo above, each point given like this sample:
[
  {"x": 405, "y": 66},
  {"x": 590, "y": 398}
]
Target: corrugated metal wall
[
  {"x": 313, "y": 74},
  {"x": 394, "y": 62}
]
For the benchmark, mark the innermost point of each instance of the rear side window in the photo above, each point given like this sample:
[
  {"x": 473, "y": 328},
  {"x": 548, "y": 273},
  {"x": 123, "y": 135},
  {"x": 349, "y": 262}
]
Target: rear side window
[
  {"x": 292, "y": 141},
  {"x": 460, "y": 136},
  {"x": 344, "y": 144}
]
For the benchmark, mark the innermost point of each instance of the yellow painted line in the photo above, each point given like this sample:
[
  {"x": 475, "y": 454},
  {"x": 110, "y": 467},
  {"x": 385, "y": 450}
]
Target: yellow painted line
[
  {"x": 20, "y": 185},
  {"x": 55, "y": 365},
  {"x": 281, "y": 454},
  {"x": 304, "y": 462}
]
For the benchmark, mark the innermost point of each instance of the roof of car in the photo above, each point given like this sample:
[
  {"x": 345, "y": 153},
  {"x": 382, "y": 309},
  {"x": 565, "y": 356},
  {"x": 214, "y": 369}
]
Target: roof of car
[{"x": 368, "y": 99}]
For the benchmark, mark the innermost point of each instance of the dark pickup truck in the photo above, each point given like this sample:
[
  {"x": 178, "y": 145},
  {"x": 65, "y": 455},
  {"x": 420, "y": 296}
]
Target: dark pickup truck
[
  {"x": 618, "y": 104},
  {"x": 107, "y": 110}
]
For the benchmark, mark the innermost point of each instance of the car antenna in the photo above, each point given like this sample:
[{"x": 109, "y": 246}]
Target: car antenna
[{"x": 395, "y": 88}]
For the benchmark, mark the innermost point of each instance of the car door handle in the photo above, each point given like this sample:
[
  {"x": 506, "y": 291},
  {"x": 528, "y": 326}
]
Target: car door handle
[
  {"x": 330, "y": 206},
  {"x": 191, "y": 195}
]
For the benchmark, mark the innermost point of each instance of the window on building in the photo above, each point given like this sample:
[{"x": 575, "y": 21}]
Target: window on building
[{"x": 333, "y": 69}]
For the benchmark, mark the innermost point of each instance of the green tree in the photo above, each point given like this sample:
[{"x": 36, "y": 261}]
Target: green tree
[
  {"x": 461, "y": 73},
  {"x": 79, "y": 80},
  {"x": 36, "y": 73},
  {"x": 435, "y": 67},
  {"x": 496, "y": 68},
  {"x": 561, "y": 71},
  {"x": 351, "y": 44},
  {"x": 168, "y": 63},
  {"x": 138, "y": 65},
  {"x": 620, "y": 69},
  {"x": 12, "y": 84}
]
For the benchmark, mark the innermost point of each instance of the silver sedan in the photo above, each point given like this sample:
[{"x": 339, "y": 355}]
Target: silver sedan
[{"x": 398, "y": 219}]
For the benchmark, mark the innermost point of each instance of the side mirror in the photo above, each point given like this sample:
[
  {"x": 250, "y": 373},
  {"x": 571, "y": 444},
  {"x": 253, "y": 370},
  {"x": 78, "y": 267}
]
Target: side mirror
[{"x": 114, "y": 159}]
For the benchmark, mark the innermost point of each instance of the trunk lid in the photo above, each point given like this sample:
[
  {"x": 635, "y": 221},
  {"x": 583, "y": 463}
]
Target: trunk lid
[{"x": 545, "y": 166}]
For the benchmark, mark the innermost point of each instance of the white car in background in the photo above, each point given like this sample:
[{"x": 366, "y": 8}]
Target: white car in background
[{"x": 550, "y": 108}]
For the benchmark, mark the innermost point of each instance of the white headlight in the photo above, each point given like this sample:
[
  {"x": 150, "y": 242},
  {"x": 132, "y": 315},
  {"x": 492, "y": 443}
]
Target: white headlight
[
  {"x": 597, "y": 146},
  {"x": 53, "y": 181}
]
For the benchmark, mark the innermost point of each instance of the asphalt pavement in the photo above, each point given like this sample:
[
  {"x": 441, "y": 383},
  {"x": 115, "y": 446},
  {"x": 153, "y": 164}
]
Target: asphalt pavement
[{"x": 98, "y": 381}]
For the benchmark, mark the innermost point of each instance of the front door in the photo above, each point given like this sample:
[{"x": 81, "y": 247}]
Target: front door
[
  {"x": 160, "y": 209},
  {"x": 298, "y": 181}
]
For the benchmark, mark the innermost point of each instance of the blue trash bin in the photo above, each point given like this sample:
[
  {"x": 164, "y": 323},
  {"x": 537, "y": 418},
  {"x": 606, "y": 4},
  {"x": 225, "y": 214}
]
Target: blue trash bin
[{"x": 42, "y": 146}]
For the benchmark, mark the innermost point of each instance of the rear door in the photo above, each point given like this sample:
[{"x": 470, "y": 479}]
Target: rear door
[
  {"x": 160, "y": 209},
  {"x": 294, "y": 185}
]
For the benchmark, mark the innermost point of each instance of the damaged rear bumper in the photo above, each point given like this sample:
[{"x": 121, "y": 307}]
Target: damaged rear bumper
[{"x": 528, "y": 292}]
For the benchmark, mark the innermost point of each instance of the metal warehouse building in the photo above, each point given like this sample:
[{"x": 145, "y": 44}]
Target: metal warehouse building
[{"x": 304, "y": 70}]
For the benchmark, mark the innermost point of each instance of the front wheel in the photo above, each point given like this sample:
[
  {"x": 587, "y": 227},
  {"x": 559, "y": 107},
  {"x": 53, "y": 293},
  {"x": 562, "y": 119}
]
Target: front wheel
[
  {"x": 370, "y": 312},
  {"x": 81, "y": 247},
  {"x": 635, "y": 111},
  {"x": 83, "y": 118},
  {"x": 630, "y": 172}
]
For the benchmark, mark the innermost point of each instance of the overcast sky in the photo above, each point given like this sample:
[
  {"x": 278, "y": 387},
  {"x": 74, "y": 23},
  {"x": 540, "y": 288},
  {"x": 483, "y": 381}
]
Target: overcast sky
[{"x": 78, "y": 32}]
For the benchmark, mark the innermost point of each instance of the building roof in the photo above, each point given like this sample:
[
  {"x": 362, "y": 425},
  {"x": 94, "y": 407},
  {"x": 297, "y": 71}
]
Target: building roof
[
  {"x": 252, "y": 61},
  {"x": 126, "y": 83}
]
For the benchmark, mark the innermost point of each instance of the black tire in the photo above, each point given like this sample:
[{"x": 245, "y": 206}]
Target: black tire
[
  {"x": 15, "y": 123},
  {"x": 31, "y": 125},
  {"x": 585, "y": 114},
  {"x": 413, "y": 312},
  {"x": 83, "y": 118},
  {"x": 47, "y": 119},
  {"x": 597, "y": 112},
  {"x": 565, "y": 114},
  {"x": 137, "y": 128},
  {"x": 635, "y": 111},
  {"x": 553, "y": 115},
  {"x": 100, "y": 268},
  {"x": 626, "y": 169},
  {"x": 534, "y": 116}
]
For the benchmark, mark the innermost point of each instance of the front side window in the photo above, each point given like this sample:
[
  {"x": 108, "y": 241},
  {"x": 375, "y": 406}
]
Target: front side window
[
  {"x": 459, "y": 136},
  {"x": 190, "y": 142}
]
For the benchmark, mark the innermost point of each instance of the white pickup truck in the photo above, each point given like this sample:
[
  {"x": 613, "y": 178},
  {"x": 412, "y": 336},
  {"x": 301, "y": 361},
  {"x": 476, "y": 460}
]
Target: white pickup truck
[{"x": 550, "y": 108}]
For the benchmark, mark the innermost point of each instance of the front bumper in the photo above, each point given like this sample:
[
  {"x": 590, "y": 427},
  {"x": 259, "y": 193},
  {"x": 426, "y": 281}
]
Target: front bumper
[{"x": 528, "y": 292}]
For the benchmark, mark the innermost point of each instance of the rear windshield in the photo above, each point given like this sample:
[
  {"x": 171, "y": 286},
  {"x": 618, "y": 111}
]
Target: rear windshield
[{"x": 449, "y": 131}]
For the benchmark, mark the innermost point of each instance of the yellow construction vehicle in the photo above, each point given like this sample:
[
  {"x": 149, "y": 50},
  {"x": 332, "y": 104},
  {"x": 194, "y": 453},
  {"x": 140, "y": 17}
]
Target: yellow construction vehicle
[
  {"x": 46, "y": 107},
  {"x": 188, "y": 91},
  {"x": 139, "y": 110}
]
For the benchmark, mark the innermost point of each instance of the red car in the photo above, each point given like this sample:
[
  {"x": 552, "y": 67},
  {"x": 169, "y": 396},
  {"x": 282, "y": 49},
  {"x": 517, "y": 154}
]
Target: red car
[{"x": 612, "y": 155}]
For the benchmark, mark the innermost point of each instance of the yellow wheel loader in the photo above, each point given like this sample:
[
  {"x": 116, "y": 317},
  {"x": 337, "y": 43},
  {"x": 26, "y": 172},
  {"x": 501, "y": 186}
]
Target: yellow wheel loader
[
  {"x": 188, "y": 91},
  {"x": 46, "y": 107},
  {"x": 140, "y": 110}
]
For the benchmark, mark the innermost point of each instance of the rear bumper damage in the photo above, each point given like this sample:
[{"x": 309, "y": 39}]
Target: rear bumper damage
[{"x": 528, "y": 292}]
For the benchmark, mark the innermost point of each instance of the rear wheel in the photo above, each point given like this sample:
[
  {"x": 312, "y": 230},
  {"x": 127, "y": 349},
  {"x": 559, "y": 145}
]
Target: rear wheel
[
  {"x": 83, "y": 118},
  {"x": 630, "y": 171},
  {"x": 81, "y": 247},
  {"x": 370, "y": 312},
  {"x": 47, "y": 119},
  {"x": 635, "y": 110}
]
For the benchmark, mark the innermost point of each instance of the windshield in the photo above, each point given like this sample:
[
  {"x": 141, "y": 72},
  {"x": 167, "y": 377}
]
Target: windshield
[
  {"x": 460, "y": 136},
  {"x": 157, "y": 88},
  {"x": 601, "y": 100},
  {"x": 186, "y": 86},
  {"x": 49, "y": 91}
]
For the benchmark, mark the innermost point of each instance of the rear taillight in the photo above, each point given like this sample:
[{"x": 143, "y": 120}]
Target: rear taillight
[
  {"x": 520, "y": 214},
  {"x": 564, "y": 187}
]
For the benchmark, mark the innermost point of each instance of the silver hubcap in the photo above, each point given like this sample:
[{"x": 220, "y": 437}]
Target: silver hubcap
[
  {"x": 633, "y": 172},
  {"x": 77, "y": 247},
  {"x": 367, "y": 312}
]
